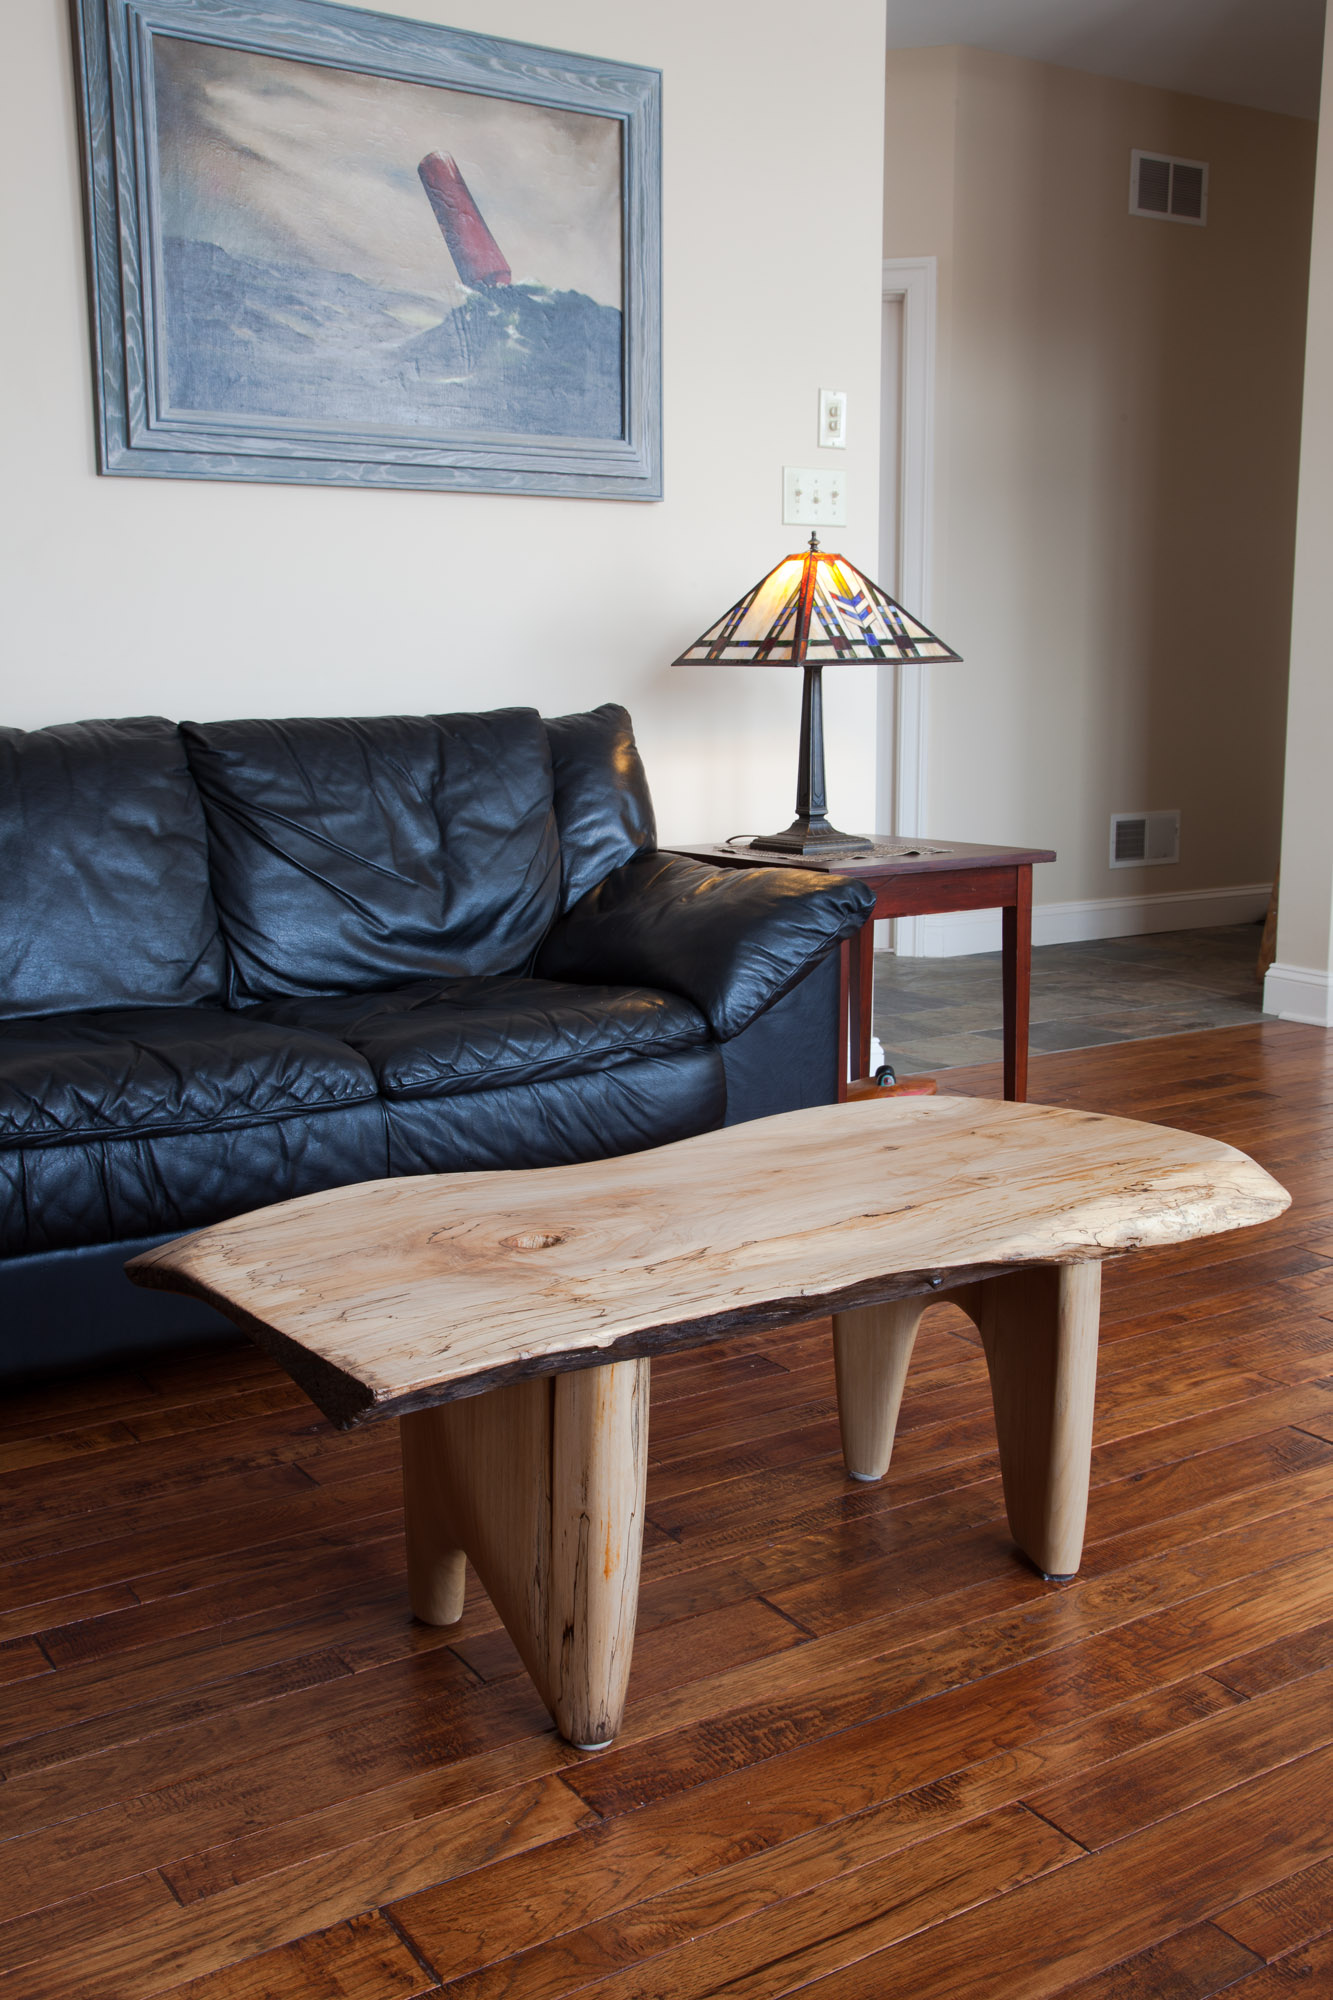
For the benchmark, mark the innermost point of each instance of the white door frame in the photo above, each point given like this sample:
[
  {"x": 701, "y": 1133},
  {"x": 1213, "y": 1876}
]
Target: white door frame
[{"x": 904, "y": 708}]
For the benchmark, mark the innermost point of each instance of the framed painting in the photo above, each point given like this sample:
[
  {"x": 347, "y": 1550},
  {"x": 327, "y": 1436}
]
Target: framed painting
[{"x": 330, "y": 245}]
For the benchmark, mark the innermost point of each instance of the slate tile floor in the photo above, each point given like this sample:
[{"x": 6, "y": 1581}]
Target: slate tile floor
[{"x": 939, "y": 1013}]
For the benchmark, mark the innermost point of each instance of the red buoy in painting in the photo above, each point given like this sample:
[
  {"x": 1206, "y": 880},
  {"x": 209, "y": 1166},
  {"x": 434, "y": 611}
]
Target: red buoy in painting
[{"x": 471, "y": 245}]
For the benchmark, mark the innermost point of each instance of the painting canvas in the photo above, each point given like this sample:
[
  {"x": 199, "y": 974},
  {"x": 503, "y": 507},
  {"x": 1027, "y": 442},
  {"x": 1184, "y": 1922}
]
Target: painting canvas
[
  {"x": 338, "y": 270},
  {"x": 357, "y": 249}
]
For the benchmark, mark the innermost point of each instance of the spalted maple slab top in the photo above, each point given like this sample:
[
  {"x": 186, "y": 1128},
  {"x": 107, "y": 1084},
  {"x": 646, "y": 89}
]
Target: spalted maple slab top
[{"x": 393, "y": 1295}]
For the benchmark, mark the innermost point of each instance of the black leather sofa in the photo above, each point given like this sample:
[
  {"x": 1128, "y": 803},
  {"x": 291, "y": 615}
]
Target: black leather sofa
[{"x": 241, "y": 961}]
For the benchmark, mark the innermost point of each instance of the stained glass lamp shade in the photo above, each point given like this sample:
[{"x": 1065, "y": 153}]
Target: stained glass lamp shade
[{"x": 811, "y": 610}]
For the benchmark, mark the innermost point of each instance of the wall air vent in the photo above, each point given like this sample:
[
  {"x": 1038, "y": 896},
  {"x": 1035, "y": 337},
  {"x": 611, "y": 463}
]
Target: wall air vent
[
  {"x": 1140, "y": 840},
  {"x": 1170, "y": 190}
]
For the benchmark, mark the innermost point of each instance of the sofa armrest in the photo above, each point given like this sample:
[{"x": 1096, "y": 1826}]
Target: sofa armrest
[{"x": 732, "y": 940}]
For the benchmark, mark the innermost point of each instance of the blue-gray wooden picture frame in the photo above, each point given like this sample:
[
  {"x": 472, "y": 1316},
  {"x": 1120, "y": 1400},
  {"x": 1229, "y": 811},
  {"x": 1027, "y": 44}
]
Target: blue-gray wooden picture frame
[{"x": 114, "y": 51}]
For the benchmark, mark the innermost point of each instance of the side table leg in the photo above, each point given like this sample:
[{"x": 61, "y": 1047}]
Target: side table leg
[
  {"x": 847, "y": 986},
  {"x": 872, "y": 1346},
  {"x": 861, "y": 982},
  {"x": 542, "y": 1485},
  {"x": 1016, "y": 977},
  {"x": 1039, "y": 1329}
]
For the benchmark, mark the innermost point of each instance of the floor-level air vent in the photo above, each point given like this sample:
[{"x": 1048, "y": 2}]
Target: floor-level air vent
[
  {"x": 1171, "y": 190},
  {"x": 1141, "y": 840}
]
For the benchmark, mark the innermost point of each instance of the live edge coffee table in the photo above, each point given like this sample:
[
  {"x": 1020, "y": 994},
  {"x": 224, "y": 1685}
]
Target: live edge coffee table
[{"x": 508, "y": 1320}]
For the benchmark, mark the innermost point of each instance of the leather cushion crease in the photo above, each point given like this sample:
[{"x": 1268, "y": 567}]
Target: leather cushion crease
[
  {"x": 245, "y": 961},
  {"x": 349, "y": 855}
]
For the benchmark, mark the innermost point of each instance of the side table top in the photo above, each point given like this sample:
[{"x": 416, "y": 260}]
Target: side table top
[
  {"x": 890, "y": 855},
  {"x": 394, "y": 1295}
]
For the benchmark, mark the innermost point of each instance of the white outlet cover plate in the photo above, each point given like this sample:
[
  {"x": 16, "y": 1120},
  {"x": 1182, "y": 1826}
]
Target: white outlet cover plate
[
  {"x": 813, "y": 497},
  {"x": 833, "y": 419}
]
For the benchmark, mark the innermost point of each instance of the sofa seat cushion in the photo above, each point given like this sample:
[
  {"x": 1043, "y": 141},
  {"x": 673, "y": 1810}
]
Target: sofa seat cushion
[
  {"x": 146, "y": 1071},
  {"x": 444, "y": 1040},
  {"x": 112, "y": 1190}
]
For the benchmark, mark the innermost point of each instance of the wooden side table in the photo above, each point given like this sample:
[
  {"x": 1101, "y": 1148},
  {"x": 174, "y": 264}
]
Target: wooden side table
[{"x": 914, "y": 878}]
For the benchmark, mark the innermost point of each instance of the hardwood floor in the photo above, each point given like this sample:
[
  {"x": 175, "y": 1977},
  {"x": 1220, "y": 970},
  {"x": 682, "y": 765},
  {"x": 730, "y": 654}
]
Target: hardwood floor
[{"x": 867, "y": 1753}]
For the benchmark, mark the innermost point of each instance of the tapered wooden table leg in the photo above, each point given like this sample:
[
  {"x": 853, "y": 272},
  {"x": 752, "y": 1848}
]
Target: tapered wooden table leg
[
  {"x": 1039, "y": 1330},
  {"x": 872, "y": 1346},
  {"x": 599, "y": 1466},
  {"x": 435, "y": 1559},
  {"x": 542, "y": 1485}
]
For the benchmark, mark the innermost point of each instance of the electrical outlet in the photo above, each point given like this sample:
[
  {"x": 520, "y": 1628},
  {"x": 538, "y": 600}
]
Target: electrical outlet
[
  {"x": 813, "y": 498},
  {"x": 833, "y": 419}
]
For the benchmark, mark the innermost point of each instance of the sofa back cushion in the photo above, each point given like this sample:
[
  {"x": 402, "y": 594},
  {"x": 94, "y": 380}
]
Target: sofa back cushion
[
  {"x": 349, "y": 855},
  {"x": 104, "y": 895},
  {"x": 602, "y": 804}
]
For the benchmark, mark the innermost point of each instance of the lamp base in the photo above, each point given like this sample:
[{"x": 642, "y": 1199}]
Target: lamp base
[{"x": 813, "y": 836}]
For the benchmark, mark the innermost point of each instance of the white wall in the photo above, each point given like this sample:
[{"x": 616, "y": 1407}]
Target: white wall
[
  {"x": 1119, "y": 411},
  {"x": 1300, "y": 983},
  {"x": 195, "y": 598}
]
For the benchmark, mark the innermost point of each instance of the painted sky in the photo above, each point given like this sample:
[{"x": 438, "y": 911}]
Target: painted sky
[{"x": 291, "y": 161}]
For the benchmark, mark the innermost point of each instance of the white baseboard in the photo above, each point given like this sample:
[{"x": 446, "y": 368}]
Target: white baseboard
[
  {"x": 1296, "y": 993},
  {"x": 956, "y": 933}
]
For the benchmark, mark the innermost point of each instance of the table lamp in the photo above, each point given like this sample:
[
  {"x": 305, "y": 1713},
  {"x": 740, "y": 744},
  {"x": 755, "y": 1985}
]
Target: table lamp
[{"x": 812, "y": 609}]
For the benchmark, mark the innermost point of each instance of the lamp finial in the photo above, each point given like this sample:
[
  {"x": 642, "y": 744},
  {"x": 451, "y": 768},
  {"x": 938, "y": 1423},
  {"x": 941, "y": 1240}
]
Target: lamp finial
[{"x": 814, "y": 545}]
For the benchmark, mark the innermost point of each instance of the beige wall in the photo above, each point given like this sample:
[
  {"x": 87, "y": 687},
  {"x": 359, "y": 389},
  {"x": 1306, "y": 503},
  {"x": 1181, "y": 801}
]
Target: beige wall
[
  {"x": 1300, "y": 986},
  {"x": 206, "y": 599},
  {"x": 1119, "y": 408}
]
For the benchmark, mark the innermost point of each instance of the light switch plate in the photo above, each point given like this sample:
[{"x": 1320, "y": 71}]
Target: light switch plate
[
  {"x": 813, "y": 497},
  {"x": 833, "y": 419}
]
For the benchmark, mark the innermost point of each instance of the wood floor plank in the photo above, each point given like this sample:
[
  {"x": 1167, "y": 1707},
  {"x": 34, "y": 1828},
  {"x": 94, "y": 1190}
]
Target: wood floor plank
[
  {"x": 229, "y": 1698},
  {"x": 360, "y": 1960},
  {"x": 164, "y": 1469},
  {"x": 117, "y": 1395},
  {"x": 352, "y": 1706},
  {"x": 1308, "y": 1971},
  {"x": 829, "y": 1889},
  {"x": 366, "y": 1559},
  {"x": 20, "y": 1659},
  {"x": 1141, "y": 1788},
  {"x": 1103, "y": 1907},
  {"x": 1289, "y": 1914},
  {"x": 459, "y": 1813},
  {"x": 809, "y": 1497},
  {"x": 170, "y": 1947},
  {"x": 1194, "y": 1965},
  {"x": 1286, "y": 1659},
  {"x": 51, "y": 1448},
  {"x": 211, "y": 1412},
  {"x": 1261, "y": 1475},
  {"x": 107, "y": 1684},
  {"x": 43, "y": 1620},
  {"x": 919, "y": 1773},
  {"x": 95, "y": 1518},
  {"x": 698, "y": 1731},
  {"x": 81, "y": 1919}
]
